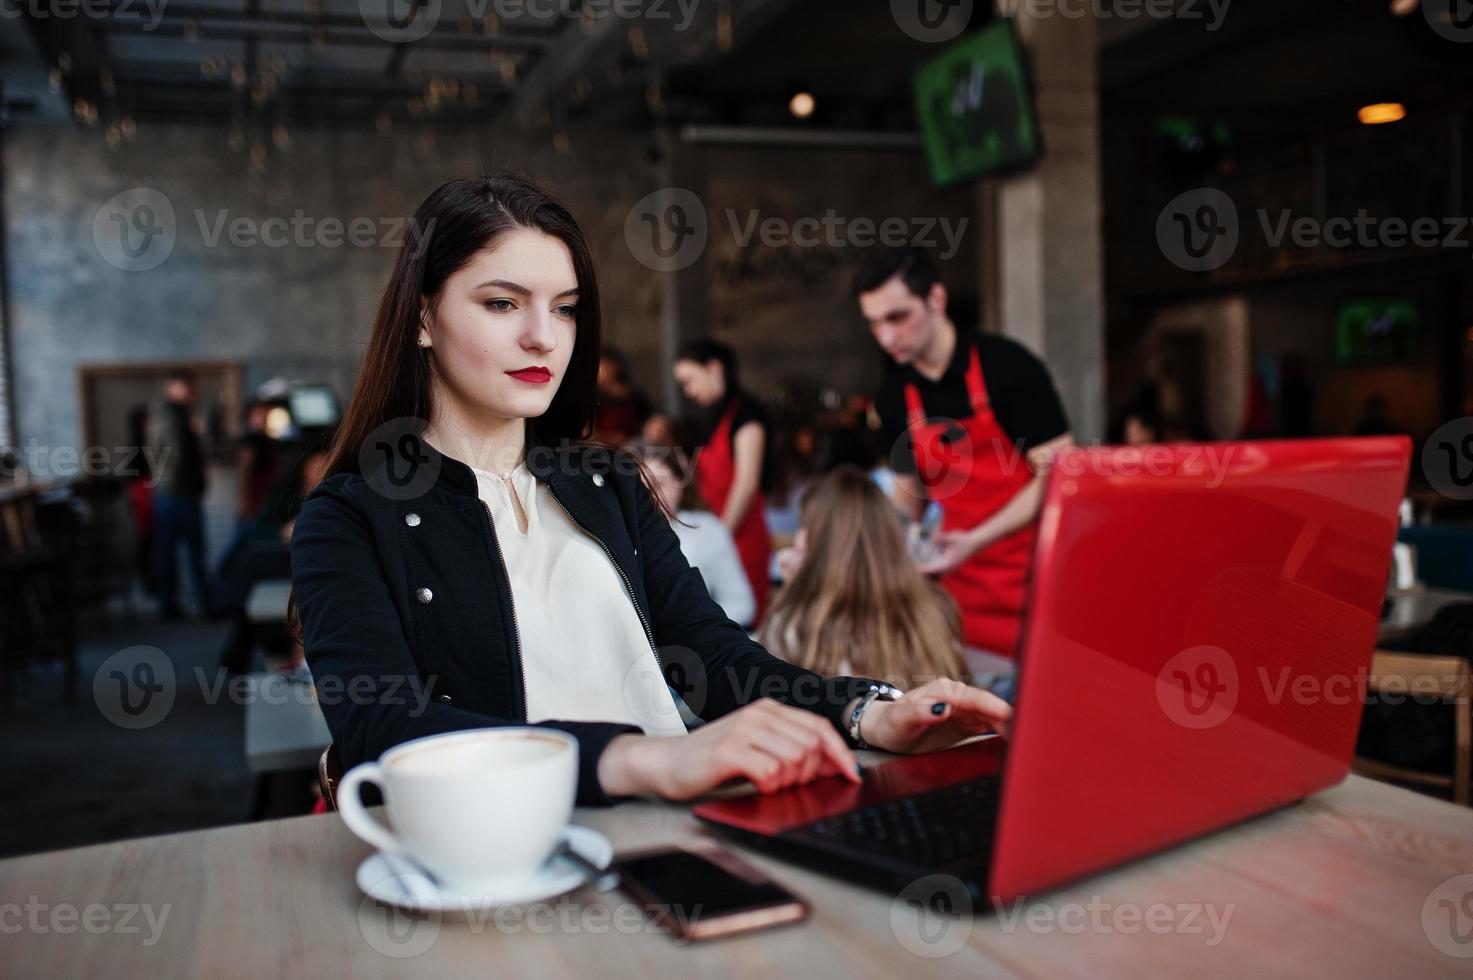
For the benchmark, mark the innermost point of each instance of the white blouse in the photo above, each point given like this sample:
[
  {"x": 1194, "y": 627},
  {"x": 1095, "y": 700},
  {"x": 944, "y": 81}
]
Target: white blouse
[{"x": 585, "y": 654}]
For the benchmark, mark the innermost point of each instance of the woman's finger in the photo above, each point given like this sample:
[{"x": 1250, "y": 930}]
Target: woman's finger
[
  {"x": 757, "y": 767},
  {"x": 792, "y": 753},
  {"x": 838, "y": 754}
]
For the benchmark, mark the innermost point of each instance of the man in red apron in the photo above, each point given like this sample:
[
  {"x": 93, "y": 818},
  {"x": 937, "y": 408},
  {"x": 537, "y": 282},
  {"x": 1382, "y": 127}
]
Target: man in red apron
[{"x": 972, "y": 420}]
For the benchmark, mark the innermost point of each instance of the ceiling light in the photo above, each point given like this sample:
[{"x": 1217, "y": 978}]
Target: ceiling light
[
  {"x": 802, "y": 105},
  {"x": 1382, "y": 112}
]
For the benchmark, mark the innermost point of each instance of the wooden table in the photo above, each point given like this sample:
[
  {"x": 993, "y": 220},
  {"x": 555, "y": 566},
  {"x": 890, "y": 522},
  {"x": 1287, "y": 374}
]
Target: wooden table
[
  {"x": 1412, "y": 610},
  {"x": 1334, "y": 887}
]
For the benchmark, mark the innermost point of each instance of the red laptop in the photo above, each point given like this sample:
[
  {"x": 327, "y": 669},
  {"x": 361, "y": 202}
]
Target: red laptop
[{"x": 1201, "y": 622}]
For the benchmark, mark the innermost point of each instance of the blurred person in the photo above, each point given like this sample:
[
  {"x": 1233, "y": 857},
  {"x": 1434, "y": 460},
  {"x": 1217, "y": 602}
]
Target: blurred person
[
  {"x": 178, "y": 487},
  {"x": 856, "y": 601},
  {"x": 971, "y": 420},
  {"x": 263, "y": 549},
  {"x": 704, "y": 540},
  {"x": 1376, "y": 420},
  {"x": 257, "y": 457},
  {"x": 659, "y": 430},
  {"x": 731, "y": 460},
  {"x": 489, "y": 330},
  {"x": 622, "y": 407},
  {"x": 140, "y": 497},
  {"x": 1139, "y": 424}
]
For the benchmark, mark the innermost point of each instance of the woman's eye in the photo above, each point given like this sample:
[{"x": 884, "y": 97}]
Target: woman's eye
[
  {"x": 500, "y": 305},
  {"x": 567, "y": 312}
]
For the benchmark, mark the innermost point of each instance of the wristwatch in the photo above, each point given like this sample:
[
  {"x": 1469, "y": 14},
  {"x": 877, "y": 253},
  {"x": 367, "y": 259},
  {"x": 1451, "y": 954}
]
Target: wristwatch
[{"x": 876, "y": 692}]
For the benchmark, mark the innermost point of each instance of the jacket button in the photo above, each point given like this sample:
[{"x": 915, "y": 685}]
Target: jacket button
[
  {"x": 445, "y": 699},
  {"x": 423, "y": 596},
  {"x": 411, "y": 519},
  {"x": 598, "y": 479}
]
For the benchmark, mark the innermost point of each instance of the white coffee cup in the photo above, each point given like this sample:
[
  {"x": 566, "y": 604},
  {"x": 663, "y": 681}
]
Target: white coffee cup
[{"x": 478, "y": 809}]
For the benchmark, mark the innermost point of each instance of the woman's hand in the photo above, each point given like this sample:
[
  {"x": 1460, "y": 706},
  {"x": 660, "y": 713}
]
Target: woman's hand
[
  {"x": 915, "y": 724},
  {"x": 771, "y": 744}
]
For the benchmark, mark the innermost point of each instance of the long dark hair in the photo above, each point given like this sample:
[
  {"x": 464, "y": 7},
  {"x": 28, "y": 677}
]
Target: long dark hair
[{"x": 458, "y": 220}]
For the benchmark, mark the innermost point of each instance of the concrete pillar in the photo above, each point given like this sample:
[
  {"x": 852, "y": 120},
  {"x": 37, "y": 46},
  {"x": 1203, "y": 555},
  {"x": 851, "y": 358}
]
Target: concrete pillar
[{"x": 1048, "y": 249}]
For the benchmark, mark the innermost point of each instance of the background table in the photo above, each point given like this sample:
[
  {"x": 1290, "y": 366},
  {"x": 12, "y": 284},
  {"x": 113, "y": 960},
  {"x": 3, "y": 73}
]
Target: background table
[
  {"x": 284, "y": 727},
  {"x": 1412, "y": 610},
  {"x": 1338, "y": 886},
  {"x": 269, "y": 602}
]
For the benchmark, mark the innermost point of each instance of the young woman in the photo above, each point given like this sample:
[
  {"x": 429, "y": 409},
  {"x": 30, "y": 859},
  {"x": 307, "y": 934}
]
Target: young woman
[
  {"x": 856, "y": 601},
  {"x": 467, "y": 564},
  {"x": 704, "y": 540},
  {"x": 729, "y": 463}
]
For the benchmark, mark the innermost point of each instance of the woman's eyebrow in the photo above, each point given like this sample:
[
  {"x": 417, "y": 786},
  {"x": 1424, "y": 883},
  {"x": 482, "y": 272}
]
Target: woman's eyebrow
[{"x": 520, "y": 289}]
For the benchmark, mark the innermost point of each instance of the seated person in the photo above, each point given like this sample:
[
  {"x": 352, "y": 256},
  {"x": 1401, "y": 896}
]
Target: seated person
[
  {"x": 704, "y": 539},
  {"x": 854, "y": 600}
]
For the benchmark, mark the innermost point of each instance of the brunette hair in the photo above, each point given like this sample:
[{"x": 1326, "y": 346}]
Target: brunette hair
[
  {"x": 458, "y": 220},
  {"x": 881, "y": 264},
  {"x": 857, "y": 602},
  {"x": 703, "y": 351}
]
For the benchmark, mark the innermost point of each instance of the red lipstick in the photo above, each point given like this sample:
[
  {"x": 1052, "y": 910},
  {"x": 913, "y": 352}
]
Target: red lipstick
[{"x": 532, "y": 375}]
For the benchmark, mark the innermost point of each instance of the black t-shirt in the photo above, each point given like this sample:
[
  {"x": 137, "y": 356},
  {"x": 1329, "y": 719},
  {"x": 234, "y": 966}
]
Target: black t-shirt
[
  {"x": 747, "y": 410},
  {"x": 1022, "y": 393}
]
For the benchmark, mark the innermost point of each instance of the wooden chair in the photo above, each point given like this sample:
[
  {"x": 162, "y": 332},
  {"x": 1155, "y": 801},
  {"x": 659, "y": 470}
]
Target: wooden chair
[
  {"x": 1423, "y": 676},
  {"x": 329, "y": 774}
]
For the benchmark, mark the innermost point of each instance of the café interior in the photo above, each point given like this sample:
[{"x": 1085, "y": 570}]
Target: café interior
[{"x": 1212, "y": 261}]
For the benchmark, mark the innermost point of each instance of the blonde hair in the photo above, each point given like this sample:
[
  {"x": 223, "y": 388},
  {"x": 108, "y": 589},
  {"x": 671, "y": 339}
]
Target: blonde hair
[{"x": 857, "y": 602}]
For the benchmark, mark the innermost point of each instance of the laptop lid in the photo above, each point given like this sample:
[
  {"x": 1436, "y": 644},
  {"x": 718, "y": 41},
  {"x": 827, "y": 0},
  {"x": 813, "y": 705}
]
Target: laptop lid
[{"x": 1200, "y": 626}]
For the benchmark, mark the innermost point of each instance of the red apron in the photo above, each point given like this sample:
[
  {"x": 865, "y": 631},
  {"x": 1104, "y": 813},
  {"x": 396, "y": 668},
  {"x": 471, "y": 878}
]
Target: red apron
[
  {"x": 715, "y": 473},
  {"x": 973, "y": 469}
]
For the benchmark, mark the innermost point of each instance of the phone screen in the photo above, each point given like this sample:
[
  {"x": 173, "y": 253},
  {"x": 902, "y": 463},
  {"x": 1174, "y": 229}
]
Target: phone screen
[{"x": 694, "y": 888}]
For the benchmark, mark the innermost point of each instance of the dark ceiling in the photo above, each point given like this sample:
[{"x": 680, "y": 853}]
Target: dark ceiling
[{"x": 1273, "y": 67}]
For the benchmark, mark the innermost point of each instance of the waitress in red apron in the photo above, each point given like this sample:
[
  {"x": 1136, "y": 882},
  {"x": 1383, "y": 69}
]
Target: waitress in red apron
[
  {"x": 973, "y": 420},
  {"x": 729, "y": 463}
]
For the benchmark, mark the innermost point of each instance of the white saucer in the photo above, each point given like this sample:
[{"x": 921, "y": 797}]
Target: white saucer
[{"x": 397, "y": 882}]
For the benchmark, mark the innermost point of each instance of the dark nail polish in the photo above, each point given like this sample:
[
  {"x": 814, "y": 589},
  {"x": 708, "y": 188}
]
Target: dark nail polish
[{"x": 939, "y": 708}]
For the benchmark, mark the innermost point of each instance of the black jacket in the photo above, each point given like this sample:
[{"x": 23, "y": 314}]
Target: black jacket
[{"x": 407, "y": 616}]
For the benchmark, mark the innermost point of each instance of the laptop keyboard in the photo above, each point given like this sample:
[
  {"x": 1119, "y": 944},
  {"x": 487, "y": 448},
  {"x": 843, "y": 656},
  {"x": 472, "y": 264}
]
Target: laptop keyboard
[{"x": 929, "y": 830}]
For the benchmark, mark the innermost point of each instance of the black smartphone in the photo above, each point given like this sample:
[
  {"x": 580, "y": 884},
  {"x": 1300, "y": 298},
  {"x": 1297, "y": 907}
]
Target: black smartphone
[{"x": 702, "y": 891}]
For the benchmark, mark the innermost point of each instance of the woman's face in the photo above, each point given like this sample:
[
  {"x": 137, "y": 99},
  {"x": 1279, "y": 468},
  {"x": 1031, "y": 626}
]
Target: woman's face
[
  {"x": 667, "y": 485},
  {"x": 704, "y": 384},
  {"x": 503, "y": 327}
]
